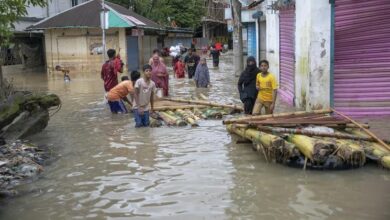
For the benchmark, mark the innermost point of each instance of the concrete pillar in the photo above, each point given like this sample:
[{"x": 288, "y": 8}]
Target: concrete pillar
[{"x": 312, "y": 54}]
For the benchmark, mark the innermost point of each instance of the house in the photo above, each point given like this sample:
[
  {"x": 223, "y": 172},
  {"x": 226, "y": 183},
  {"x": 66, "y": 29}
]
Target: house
[
  {"x": 253, "y": 29},
  {"x": 26, "y": 49},
  {"x": 331, "y": 53},
  {"x": 214, "y": 25},
  {"x": 73, "y": 38}
]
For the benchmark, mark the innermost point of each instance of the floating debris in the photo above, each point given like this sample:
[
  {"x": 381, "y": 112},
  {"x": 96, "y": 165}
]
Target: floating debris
[{"x": 19, "y": 161}]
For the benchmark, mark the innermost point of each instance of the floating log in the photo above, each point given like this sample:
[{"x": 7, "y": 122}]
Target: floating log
[
  {"x": 192, "y": 115},
  {"x": 274, "y": 146},
  {"x": 316, "y": 150},
  {"x": 352, "y": 153},
  {"x": 187, "y": 117},
  {"x": 313, "y": 133},
  {"x": 205, "y": 103},
  {"x": 385, "y": 162},
  {"x": 178, "y": 121},
  {"x": 259, "y": 117},
  {"x": 202, "y": 96},
  {"x": 364, "y": 129},
  {"x": 199, "y": 113},
  {"x": 169, "y": 121},
  {"x": 166, "y": 108},
  {"x": 212, "y": 113}
]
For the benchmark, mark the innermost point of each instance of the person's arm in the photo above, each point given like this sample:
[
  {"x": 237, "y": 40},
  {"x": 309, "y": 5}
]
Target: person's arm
[
  {"x": 239, "y": 84},
  {"x": 152, "y": 102},
  {"x": 257, "y": 82},
  {"x": 127, "y": 100},
  {"x": 101, "y": 73}
]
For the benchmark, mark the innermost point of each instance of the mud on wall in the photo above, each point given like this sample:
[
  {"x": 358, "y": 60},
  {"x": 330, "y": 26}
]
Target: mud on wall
[
  {"x": 80, "y": 50},
  {"x": 312, "y": 52}
]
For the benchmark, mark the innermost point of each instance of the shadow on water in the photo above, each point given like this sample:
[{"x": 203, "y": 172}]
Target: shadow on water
[{"x": 109, "y": 169}]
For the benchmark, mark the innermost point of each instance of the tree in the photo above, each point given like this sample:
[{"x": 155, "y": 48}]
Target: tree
[
  {"x": 10, "y": 12},
  {"x": 186, "y": 13}
]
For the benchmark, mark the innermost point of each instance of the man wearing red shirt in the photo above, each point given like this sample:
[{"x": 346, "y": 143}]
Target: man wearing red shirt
[{"x": 110, "y": 70}]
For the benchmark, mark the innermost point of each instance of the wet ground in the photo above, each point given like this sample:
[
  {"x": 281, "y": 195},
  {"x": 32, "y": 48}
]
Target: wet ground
[{"x": 109, "y": 170}]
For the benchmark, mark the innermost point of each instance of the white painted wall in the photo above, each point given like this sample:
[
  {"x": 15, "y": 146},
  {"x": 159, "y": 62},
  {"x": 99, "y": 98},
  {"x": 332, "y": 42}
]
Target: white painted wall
[
  {"x": 312, "y": 54},
  {"x": 272, "y": 40}
]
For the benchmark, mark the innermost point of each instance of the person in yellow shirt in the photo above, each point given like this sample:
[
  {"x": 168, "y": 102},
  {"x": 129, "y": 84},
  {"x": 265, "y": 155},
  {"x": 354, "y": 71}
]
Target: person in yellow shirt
[{"x": 267, "y": 86}]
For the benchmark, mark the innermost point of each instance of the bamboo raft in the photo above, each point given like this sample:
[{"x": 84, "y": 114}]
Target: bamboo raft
[
  {"x": 323, "y": 139},
  {"x": 184, "y": 112}
]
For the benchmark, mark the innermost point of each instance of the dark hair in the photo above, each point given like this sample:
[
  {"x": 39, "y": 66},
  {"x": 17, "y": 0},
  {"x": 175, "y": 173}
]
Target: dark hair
[
  {"x": 134, "y": 75},
  {"x": 264, "y": 61},
  {"x": 123, "y": 78},
  {"x": 57, "y": 67},
  {"x": 156, "y": 51},
  {"x": 111, "y": 53},
  {"x": 146, "y": 66}
]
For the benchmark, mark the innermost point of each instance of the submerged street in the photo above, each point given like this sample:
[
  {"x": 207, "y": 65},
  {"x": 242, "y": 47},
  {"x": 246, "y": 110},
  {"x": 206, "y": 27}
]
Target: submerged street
[{"x": 107, "y": 169}]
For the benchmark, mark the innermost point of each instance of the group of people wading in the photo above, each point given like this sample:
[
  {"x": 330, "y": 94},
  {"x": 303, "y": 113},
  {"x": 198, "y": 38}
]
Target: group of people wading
[
  {"x": 155, "y": 79},
  {"x": 257, "y": 87}
]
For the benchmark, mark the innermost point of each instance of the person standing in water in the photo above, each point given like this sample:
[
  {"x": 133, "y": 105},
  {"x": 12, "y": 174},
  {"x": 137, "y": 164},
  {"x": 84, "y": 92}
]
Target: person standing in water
[
  {"x": 191, "y": 61},
  {"x": 160, "y": 75},
  {"x": 143, "y": 98},
  {"x": 202, "y": 74},
  {"x": 267, "y": 86},
  {"x": 247, "y": 85}
]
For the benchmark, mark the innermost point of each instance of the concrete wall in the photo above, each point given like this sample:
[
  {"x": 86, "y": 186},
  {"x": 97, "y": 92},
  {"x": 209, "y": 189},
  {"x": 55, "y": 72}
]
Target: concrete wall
[
  {"x": 312, "y": 54},
  {"x": 272, "y": 40},
  {"x": 81, "y": 49}
]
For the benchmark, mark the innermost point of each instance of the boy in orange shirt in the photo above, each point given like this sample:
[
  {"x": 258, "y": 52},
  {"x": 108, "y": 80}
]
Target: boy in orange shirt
[
  {"x": 119, "y": 93},
  {"x": 267, "y": 86}
]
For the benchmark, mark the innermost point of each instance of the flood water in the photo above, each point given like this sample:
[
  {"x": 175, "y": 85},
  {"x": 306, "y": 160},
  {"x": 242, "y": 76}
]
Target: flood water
[{"x": 107, "y": 169}]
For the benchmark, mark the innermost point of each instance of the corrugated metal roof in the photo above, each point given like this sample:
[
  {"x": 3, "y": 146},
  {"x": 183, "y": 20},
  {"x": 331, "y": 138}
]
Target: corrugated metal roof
[{"x": 87, "y": 15}]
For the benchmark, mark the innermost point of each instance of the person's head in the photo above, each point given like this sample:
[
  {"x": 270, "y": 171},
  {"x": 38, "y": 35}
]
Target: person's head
[
  {"x": 124, "y": 78},
  {"x": 203, "y": 61},
  {"x": 111, "y": 53},
  {"x": 134, "y": 75},
  {"x": 251, "y": 61},
  {"x": 156, "y": 59},
  {"x": 58, "y": 68},
  {"x": 156, "y": 51},
  {"x": 264, "y": 65},
  {"x": 147, "y": 71},
  {"x": 190, "y": 52}
]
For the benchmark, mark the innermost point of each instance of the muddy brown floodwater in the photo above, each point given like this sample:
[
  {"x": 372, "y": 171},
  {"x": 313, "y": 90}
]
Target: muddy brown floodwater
[{"x": 109, "y": 170}]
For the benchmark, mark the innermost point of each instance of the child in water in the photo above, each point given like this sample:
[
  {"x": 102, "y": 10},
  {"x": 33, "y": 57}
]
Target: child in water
[{"x": 65, "y": 72}]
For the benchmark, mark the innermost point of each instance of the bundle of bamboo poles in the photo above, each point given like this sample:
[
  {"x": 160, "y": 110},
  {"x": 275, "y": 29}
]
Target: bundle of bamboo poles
[
  {"x": 182, "y": 112},
  {"x": 322, "y": 139},
  {"x": 185, "y": 116}
]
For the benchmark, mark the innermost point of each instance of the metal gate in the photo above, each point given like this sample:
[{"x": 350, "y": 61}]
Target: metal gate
[
  {"x": 287, "y": 54},
  {"x": 362, "y": 57}
]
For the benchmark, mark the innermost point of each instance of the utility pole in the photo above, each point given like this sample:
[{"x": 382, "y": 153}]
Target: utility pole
[
  {"x": 237, "y": 38},
  {"x": 103, "y": 25}
]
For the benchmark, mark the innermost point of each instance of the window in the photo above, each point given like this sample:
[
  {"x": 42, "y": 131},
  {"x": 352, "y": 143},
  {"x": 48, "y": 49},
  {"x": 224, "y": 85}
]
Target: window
[{"x": 75, "y": 2}]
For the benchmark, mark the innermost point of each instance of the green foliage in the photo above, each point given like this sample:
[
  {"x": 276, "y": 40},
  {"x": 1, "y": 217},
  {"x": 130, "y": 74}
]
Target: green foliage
[
  {"x": 186, "y": 13},
  {"x": 10, "y": 12}
]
